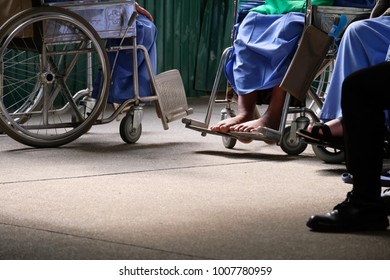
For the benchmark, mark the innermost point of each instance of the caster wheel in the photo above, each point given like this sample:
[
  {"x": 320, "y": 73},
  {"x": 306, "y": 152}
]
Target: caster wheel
[
  {"x": 291, "y": 144},
  {"x": 128, "y": 132},
  {"x": 228, "y": 142}
]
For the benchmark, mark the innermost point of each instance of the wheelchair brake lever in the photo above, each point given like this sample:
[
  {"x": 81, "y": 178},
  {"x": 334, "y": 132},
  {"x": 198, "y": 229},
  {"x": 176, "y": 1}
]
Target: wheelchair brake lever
[{"x": 132, "y": 18}]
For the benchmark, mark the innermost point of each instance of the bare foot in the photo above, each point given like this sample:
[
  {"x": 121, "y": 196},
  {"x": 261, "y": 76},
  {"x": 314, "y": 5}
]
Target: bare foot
[
  {"x": 251, "y": 126},
  {"x": 225, "y": 125},
  {"x": 248, "y": 126}
]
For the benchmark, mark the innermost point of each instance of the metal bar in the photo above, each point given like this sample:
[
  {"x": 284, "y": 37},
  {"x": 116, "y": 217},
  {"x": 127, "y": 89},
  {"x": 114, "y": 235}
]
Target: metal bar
[
  {"x": 217, "y": 81},
  {"x": 308, "y": 17}
]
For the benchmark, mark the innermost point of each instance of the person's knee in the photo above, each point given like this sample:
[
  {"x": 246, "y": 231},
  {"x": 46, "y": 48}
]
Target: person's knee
[{"x": 357, "y": 28}]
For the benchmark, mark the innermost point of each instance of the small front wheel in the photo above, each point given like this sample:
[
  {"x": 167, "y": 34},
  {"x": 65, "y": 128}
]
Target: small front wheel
[
  {"x": 128, "y": 132},
  {"x": 228, "y": 142},
  {"x": 291, "y": 144}
]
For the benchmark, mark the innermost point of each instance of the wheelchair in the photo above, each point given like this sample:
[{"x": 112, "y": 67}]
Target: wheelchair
[
  {"x": 51, "y": 57},
  {"x": 312, "y": 84}
]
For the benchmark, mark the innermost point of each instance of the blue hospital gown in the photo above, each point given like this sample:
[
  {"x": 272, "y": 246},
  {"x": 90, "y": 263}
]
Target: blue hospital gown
[
  {"x": 122, "y": 84},
  {"x": 263, "y": 50},
  {"x": 365, "y": 43}
]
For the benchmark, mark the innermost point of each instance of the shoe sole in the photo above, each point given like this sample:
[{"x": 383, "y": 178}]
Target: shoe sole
[
  {"x": 337, "y": 229},
  {"x": 385, "y": 179},
  {"x": 315, "y": 141}
]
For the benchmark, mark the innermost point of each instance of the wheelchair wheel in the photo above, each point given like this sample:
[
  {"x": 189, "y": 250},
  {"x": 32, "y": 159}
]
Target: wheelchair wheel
[
  {"x": 329, "y": 154},
  {"x": 318, "y": 88},
  {"x": 50, "y": 59},
  {"x": 228, "y": 142},
  {"x": 291, "y": 144},
  {"x": 129, "y": 131}
]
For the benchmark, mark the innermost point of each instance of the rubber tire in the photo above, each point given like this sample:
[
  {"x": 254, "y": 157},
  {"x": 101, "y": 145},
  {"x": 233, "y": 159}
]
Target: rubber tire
[
  {"x": 295, "y": 148},
  {"x": 329, "y": 155},
  {"x": 127, "y": 131}
]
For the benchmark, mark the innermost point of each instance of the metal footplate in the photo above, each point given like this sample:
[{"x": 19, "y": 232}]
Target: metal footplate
[
  {"x": 262, "y": 133},
  {"x": 172, "y": 96}
]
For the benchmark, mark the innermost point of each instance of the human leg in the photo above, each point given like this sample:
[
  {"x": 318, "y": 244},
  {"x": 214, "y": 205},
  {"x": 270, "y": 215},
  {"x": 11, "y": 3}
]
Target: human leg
[
  {"x": 245, "y": 122},
  {"x": 364, "y": 44},
  {"x": 367, "y": 146},
  {"x": 363, "y": 209},
  {"x": 271, "y": 117},
  {"x": 246, "y": 110},
  {"x": 122, "y": 82},
  {"x": 335, "y": 127},
  {"x": 329, "y": 133},
  {"x": 263, "y": 49}
]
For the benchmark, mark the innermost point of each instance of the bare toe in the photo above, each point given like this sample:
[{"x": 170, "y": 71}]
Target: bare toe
[
  {"x": 246, "y": 126},
  {"x": 225, "y": 126}
]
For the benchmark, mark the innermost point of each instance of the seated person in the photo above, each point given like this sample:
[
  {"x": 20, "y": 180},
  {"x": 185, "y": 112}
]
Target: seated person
[
  {"x": 265, "y": 45},
  {"x": 364, "y": 208},
  {"x": 365, "y": 43},
  {"x": 122, "y": 88}
]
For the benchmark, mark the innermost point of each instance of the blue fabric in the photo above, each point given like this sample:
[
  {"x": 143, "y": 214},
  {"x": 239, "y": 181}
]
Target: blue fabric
[
  {"x": 263, "y": 50},
  {"x": 368, "y": 4},
  {"x": 122, "y": 85},
  {"x": 365, "y": 43}
]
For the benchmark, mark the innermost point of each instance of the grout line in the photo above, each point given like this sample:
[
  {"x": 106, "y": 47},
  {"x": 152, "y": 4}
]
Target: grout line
[{"x": 123, "y": 173}]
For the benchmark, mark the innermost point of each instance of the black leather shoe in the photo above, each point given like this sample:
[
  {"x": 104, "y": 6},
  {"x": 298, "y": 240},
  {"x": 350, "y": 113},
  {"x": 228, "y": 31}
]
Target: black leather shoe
[{"x": 351, "y": 216}]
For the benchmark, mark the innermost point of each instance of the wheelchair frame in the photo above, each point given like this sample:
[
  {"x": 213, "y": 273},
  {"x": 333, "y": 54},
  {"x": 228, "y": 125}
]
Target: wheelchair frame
[
  {"x": 303, "y": 114},
  {"x": 50, "y": 58}
]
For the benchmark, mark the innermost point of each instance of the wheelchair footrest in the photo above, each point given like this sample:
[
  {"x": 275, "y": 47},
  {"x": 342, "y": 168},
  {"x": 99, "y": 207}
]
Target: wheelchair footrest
[
  {"x": 262, "y": 134},
  {"x": 172, "y": 96}
]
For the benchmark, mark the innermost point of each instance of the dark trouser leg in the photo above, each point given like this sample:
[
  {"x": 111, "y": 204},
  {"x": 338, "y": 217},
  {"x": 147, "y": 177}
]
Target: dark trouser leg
[{"x": 365, "y": 96}]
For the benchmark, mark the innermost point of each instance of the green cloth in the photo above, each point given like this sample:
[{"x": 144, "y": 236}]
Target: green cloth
[{"x": 272, "y": 7}]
